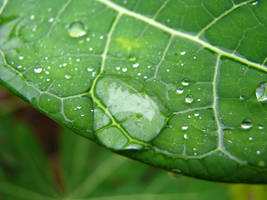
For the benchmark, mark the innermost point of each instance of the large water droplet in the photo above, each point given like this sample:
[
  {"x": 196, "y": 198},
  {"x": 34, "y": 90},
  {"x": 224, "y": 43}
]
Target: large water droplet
[
  {"x": 77, "y": 29},
  {"x": 261, "y": 92},
  {"x": 246, "y": 124}
]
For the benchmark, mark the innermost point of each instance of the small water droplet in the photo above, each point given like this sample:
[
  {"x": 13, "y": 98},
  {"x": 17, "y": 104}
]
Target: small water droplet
[
  {"x": 185, "y": 82},
  {"x": 242, "y": 97},
  {"x": 196, "y": 114},
  {"x": 78, "y": 107},
  {"x": 250, "y": 138},
  {"x": 194, "y": 57},
  {"x": 38, "y": 70},
  {"x": 19, "y": 67},
  {"x": 176, "y": 171},
  {"x": 180, "y": 90},
  {"x": 254, "y": 3},
  {"x": 77, "y": 29},
  {"x": 89, "y": 69},
  {"x": 258, "y": 152},
  {"x": 78, "y": 59},
  {"x": 21, "y": 57},
  {"x": 32, "y": 17},
  {"x": 101, "y": 37},
  {"x": 261, "y": 92},
  {"x": 48, "y": 79},
  {"x": 260, "y": 127},
  {"x": 67, "y": 76},
  {"x": 51, "y": 19},
  {"x": 246, "y": 124},
  {"x": 91, "y": 49},
  {"x": 124, "y": 69},
  {"x": 189, "y": 99},
  {"x": 185, "y": 136},
  {"x": 183, "y": 53},
  {"x": 117, "y": 68},
  {"x": 135, "y": 65},
  {"x": 184, "y": 127}
]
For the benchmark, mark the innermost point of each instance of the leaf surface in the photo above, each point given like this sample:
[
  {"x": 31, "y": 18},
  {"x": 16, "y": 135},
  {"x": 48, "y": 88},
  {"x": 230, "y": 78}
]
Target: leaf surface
[{"x": 176, "y": 84}]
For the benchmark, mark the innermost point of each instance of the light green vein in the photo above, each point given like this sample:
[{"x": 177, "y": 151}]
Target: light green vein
[
  {"x": 235, "y": 6},
  {"x": 220, "y": 126}
]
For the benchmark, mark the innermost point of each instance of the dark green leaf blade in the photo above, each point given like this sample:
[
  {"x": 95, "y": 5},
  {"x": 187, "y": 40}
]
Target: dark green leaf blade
[{"x": 179, "y": 85}]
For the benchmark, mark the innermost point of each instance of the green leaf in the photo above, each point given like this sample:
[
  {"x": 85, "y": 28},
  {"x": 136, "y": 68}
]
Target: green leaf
[
  {"x": 86, "y": 172},
  {"x": 180, "y": 85}
]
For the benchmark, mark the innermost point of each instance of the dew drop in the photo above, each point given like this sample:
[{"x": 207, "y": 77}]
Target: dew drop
[
  {"x": 21, "y": 57},
  {"x": 38, "y": 70},
  {"x": 260, "y": 127},
  {"x": 89, "y": 69},
  {"x": 184, "y": 127},
  {"x": 250, "y": 138},
  {"x": 261, "y": 92},
  {"x": 19, "y": 66},
  {"x": 183, "y": 53},
  {"x": 51, "y": 19},
  {"x": 258, "y": 152},
  {"x": 91, "y": 49},
  {"x": 32, "y": 17},
  {"x": 135, "y": 65},
  {"x": 101, "y": 37},
  {"x": 185, "y": 82},
  {"x": 117, "y": 68},
  {"x": 176, "y": 171},
  {"x": 246, "y": 124},
  {"x": 77, "y": 29},
  {"x": 189, "y": 99},
  {"x": 124, "y": 69},
  {"x": 67, "y": 76},
  {"x": 196, "y": 114},
  {"x": 185, "y": 136},
  {"x": 254, "y": 3},
  {"x": 180, "y": 90}
]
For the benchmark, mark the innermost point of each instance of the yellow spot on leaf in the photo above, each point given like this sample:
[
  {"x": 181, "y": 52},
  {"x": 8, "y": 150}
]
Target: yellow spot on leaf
[{"x": 127, "y": 44}]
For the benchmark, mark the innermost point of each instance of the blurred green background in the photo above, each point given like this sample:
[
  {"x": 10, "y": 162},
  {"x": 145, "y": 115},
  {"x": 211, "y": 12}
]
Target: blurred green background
[{"x": 39, "y": 160}]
